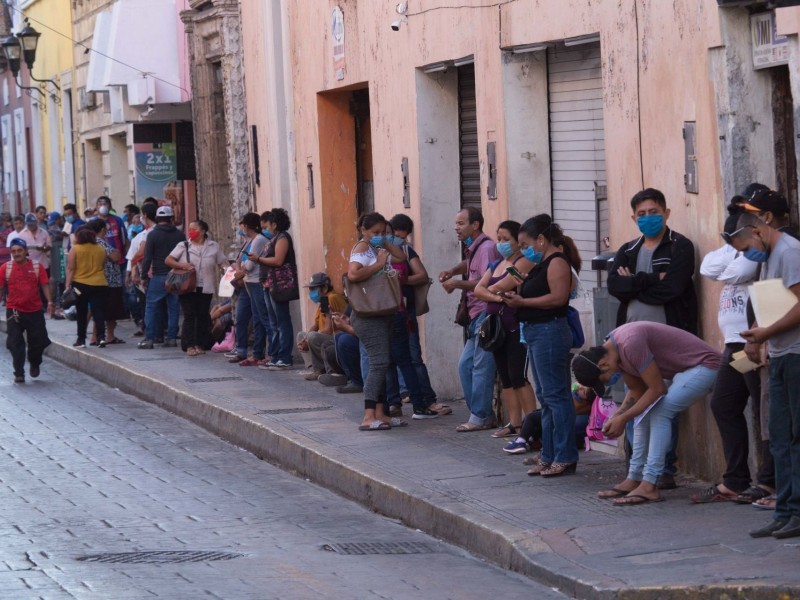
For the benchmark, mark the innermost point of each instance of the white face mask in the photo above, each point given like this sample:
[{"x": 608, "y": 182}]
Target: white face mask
[{"x": 103, "y": 210}]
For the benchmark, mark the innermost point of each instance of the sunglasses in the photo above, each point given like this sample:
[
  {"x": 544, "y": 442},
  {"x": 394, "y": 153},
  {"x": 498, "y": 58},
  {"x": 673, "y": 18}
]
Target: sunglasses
[{"x": 728, "y": 237}]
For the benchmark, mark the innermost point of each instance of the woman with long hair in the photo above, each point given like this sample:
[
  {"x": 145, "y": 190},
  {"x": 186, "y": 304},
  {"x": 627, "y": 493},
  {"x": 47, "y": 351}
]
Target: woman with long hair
[
  {"x": 114, "y": 309},
  {"x": 541, "y": 307},
  {"x": 369, "y": 256},
  {"x": 85, "y": 272}
]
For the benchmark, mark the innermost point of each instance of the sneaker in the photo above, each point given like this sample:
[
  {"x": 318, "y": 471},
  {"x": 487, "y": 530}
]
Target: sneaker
[
  {"x": 19, "y": 378},
  {"x": 101, "y": 343},
  {"x": 350, "y": 388},
  {"x": 34, "y": 370},
  {"x": 236, "y": 358},
  {"x": 279, "y": 365},
  {"x": 332, "y": 379},
  {"x": 516, "y": 448},
  {"x": 170, "y": 343},
  {"x": 158, "y": 341},
  {"x": 425, "y": 413},
  {"x": 268, "y": 364},
  {"x": 233, "y": 354},
  {"x": 79, "y": 344},
  {"x": 145, "y": 345},
  {"x": 313, "y": 376}
]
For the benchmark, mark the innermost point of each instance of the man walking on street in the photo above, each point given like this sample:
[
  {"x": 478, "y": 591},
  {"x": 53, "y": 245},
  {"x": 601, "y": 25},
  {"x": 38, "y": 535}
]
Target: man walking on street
[
  {"x": 25, "y": 281},
  {"x": 476, "y": 368}
]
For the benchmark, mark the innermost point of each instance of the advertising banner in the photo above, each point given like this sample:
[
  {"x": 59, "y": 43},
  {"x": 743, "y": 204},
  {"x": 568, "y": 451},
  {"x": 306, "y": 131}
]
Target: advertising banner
[{"x": 157, "y": 176}]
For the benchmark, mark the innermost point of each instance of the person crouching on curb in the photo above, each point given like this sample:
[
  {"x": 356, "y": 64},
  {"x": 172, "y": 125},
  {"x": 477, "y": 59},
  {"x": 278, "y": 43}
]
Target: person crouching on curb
[
  {"x": 23, "y": 278},
  {"x": 644, "y": 354}
]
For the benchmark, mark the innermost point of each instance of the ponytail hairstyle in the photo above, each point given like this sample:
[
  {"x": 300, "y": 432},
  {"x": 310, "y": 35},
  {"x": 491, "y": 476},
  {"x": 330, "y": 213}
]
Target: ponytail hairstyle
[
  {"x": 369, "y": 220},
  {"x": 543, "y": 225},
  {"x": 572, "y": 253},
  {"x": 203, "y": 227}
]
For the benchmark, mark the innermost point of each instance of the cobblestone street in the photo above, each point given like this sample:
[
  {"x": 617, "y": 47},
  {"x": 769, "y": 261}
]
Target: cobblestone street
[{"x": 86, "y": 470}]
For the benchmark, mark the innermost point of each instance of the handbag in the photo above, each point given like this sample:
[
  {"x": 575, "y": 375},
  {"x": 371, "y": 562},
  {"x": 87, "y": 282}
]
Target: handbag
[
  {"x": 421, "y": 297},
  {"x": 462, "y": 312},
  {"x": 69, "y": 298},
  {"x": 602, "y": 410},
  {"x": 574, "y": 322},
  {"x": 378, "y": 296},
  {"x": 492, "y": 334},
  {"x": 181, "y": 281},
  {"x": 227, "y": 344},
  {"x": 282, "y": 281}
]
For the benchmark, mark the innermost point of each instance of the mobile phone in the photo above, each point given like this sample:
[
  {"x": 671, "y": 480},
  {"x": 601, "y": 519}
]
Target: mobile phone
[
  {"x": 502, "y": 294},
  {"x": 324, "y": 305},
  {"x": 514, "y": 272}
]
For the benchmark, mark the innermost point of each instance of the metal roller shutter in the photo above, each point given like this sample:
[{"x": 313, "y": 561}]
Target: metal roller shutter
[
  {"x": 577, "y": 150},
  {"x": 468, "y": 138}
]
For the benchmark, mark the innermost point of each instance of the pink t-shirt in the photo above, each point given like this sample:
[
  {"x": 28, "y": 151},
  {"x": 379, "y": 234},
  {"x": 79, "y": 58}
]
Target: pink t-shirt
[
  {"x": 673, "y": 350},
  {"x": 484, "y": 253}
]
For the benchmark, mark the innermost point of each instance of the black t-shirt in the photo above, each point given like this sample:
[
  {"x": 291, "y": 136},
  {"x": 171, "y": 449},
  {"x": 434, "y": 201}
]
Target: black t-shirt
[{"x": 536, "y": 286}]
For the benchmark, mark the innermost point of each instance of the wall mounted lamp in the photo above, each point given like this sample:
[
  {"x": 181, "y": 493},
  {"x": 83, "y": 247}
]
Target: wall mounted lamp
[{"x": 23, "y": 46}]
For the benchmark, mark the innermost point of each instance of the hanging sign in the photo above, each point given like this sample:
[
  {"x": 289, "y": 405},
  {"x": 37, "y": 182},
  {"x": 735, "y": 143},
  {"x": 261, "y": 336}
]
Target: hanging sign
[
  {"x": 769, "y": 48},
  {"x": 337, "y": 37}
]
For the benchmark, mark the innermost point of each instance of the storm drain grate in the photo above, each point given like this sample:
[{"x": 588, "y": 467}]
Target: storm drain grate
[
  {"x": 159, "y": 556},
  {"x": 214, "y": 379},
  {"x": 361, "y": 548},
  {"x": 291, "y": 411}
]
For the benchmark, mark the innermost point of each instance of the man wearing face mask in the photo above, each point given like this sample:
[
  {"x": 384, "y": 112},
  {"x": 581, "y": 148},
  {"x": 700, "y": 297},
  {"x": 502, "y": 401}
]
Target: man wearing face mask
[
  {"x": 645, "y": 355},
  {"x": 779, "y": 254},
  {"x": 651, "y": 276},
  {"x": 317, "y": 346}
]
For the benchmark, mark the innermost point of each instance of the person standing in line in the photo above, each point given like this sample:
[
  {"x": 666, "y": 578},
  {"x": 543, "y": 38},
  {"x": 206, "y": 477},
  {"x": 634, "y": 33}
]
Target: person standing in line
[
  {"x": 38, "y": 241},
  {"x": 476, "y": 367},
  {"x": 114, "y": 308},
  {"x": 26, "y": 282},
  {"x": 134, "y": 258},
  {"x": 652, "y": 277},
  {"x": 780, "y": 255},
  {"x": 86, "y": 273}
]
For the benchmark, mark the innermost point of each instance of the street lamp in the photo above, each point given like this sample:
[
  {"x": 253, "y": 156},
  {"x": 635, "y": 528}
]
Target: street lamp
[
  {"x": 29, "y": 40},
  {"x": 12, "y": 51}
]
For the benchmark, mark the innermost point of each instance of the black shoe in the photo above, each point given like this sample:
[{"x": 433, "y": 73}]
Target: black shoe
[
  {"x": 101, "y": 343},
  {"x": 666, "y": 481},
  {"x": 34, "y": 371},
  {"x": 350, "y": 388},
  {"x": 332, "y": 379},
  {"x": 145, "y": 345},
  {"x": 769, "y": 529},
  {"x": 791, "y": 529},
  {"x": 158, "y": 341},
  {"x": 19, "y": 378},
  {"x": 424, "y": 413},
  {"x": 170, "y": 343},
  {"x": 79, "y": 344}
]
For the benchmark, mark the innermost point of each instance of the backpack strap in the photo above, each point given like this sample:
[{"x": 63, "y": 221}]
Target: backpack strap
[{"x": 9, "y": 265}]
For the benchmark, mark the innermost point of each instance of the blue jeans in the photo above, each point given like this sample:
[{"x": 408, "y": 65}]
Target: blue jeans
[
  {"x": 349, "y": 356},
  {"x": 653, "y": 437},
  {"x": 244, "y": 313},
  {"x": 401, "y": 359},
  {"x": 670, "y": 467},
  {"x": 258, "y": 309},
  {"x": 548, "y": 349},
  {"x": 784, "y": 432},
  {"x": 156, "y": 294},
  {"x": 425, "y": 388},
  {"x": 282, "y": 336},
  {"x": 476, "y": 369}
]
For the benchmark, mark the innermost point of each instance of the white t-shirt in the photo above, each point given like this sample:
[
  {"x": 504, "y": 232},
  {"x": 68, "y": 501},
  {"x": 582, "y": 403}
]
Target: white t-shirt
[
  {"x": 206, "y": 258},
  {"x": 367, "y": 258},
  {"x": 136, "y": 243}
]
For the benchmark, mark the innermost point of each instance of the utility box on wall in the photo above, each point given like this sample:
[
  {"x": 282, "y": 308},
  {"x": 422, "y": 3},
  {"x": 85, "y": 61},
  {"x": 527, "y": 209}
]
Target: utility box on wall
[{"x": 690, "y": 157}]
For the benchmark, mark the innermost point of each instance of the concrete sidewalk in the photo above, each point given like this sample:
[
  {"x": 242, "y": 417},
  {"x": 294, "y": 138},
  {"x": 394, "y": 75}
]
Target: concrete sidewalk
[{"x": 460, "y": 487}]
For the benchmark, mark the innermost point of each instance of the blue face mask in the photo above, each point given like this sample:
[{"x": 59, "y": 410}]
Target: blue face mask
[
  {"x": 532, "y": 255},
  {"x": 70, "y": 219},
  {"x": 614, "y": 378},
  {"x": 505, "y": 249},
  {"x": 377, "y": 240},
  {"x": 394, "y": 239},
  {"x": 468, "y": 241},
  {"x": 137, "y": 229},
  {"x": 650, "y": 225},
  {"x": 313, "y": 293},
  {"x": 267, "y": 233},
  {"x": 756, "y": 255},
  {"x": 240, "y": 233}
]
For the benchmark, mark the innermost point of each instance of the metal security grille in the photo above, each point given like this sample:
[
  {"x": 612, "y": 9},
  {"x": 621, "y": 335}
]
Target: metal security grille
[
  {"x": 577, "y": 149},
  {"x": 292, "y": 411},
  {"x": 468, "y": 138},
  {"x": 363, "y": 548},
  {"x": 160, "y": 557},
  {"x": 214, "y": 379}
]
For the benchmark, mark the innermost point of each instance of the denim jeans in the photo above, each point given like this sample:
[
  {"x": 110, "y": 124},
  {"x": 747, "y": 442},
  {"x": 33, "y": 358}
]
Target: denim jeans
[
  {"x": 156, "y": 295},
  {"x": 476, "y": 369},
  {"x": 784, "y": 432},
  {"x": 280, "y": 322},
  {"x": 548, "y": 348},
  {"x": 670, "y": 467},
  {"x": 401, "y": 360},
  {"x": 653, "y": 437},
  {"x": 258, "y": 310},
  {"x": 244, "y": 314},
  {"x": 348, "y": 354},
  {"x": 425, "y": 387}
]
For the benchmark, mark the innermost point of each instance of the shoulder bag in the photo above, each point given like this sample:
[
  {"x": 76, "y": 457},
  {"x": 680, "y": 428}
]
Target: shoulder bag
[
  {"x": 282, "y": 281},
  {"x": 492, "y": 334},
  {"x": 181, "y": 281},
  {"x": 462, "y": 312},
  {"x": 378, "y": 296}
]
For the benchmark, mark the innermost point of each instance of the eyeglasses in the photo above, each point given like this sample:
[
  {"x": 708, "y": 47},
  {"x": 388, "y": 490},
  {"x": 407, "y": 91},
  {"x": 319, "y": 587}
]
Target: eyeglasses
[{"x": 728, "y": 237}]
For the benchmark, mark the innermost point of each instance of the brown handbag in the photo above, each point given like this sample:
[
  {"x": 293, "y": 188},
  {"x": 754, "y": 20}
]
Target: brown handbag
[
  {"x": 462, "y": 312},
  {"x": 421, "y": 297},
  {"x": 378, "y": 296},
  {"x": 181, "y": 281}
]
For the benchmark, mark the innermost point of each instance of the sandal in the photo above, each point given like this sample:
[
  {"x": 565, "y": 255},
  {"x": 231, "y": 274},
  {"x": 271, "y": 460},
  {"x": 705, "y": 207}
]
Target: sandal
[
  {"x": 468, "y": 427},
  {"x": 191, "y": 352},
  {"x": 505, "y": 431},
  {"x": 397, "y": 422},
  {"x": 751, "y": 494},
  {"x": 635, "y": 500},
  {"x": 613, "y": 492},
  {"x": 712, "y": 494},
  {"x": 767, "y": 502},
  {"x": 376, "y": 425}
]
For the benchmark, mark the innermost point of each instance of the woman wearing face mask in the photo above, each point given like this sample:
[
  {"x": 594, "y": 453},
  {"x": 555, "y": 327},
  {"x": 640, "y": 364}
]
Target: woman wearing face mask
[
  {"x": 278, "y": 252},
  {"x": 541, "y": 307},
  {"x": 370, "y": 255},
  {"x": 518, "y": 398},
  {"x": 205, "y": 257}
]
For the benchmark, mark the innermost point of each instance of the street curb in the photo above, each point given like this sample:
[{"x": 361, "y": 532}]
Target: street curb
[{"x": 499, "y": 543}]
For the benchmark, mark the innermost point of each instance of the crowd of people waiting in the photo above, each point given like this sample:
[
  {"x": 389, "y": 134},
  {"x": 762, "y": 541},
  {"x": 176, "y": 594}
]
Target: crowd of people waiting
[{"x": 514, "y": 304}]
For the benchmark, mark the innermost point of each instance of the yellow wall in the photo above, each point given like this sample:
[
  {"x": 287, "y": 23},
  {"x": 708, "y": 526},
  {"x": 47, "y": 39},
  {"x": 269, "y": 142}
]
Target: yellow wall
[{"x": 53, "y": 57}]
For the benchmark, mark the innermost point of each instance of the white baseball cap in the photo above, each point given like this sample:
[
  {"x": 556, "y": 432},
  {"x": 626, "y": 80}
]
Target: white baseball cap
[{"x": 164, "y": 211}]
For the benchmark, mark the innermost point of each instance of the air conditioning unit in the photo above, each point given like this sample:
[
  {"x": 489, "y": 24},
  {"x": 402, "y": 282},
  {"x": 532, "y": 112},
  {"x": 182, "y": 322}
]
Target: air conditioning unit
[{"x": 86, "y": 100}]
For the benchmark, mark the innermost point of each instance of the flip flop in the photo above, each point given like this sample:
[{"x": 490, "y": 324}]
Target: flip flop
[
  {"x": 376, "y": 425},
  {"x": 766, "y": 503},
  {"x": 398, "y": 422},
  {"x": 469, "y": 427},
  {"x": 612, "y": 493},
  {"x": 750, "y": 495},
  {"x": 637, "y": 499}
]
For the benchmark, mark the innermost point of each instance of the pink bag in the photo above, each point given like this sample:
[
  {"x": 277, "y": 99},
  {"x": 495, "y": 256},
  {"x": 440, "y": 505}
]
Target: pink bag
[
  {"x": 602, "y": 410},
  {"x": 227, "y": 344}
]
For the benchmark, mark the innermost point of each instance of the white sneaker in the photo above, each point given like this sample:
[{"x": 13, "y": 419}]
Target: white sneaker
[{"x": 279, "y": 365}]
